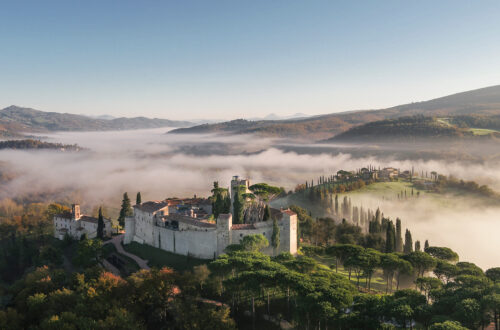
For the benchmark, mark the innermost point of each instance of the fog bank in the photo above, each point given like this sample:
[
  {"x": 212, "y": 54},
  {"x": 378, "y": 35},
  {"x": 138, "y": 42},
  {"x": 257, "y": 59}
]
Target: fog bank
[{"x": 161, "y": 166}]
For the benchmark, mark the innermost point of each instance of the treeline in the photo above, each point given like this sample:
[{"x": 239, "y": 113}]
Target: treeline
[
  {"x": 48, "y": 298},
  {"x": 444, "y": 182},
  {"x": 26, "y": 238},
  {"x": 37, "y": 144},
  {"x": 478, "y": 121},
  {"x": 404, "y": 128},
  {"x": 459, "y": 295},
  {"x": 376, "y": 232}
]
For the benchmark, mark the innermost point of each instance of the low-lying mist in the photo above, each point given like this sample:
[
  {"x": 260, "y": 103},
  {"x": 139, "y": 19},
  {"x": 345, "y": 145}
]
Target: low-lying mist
[
  {"x": 465, "y": 224},
  {"x": 165, "y": 165}
]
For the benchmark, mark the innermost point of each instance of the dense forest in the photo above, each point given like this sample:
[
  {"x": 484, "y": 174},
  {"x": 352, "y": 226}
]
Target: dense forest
[
  {"x": 37, "y": 144},
  {"x": 478, "y": 121},
  {"x": 17, "y": 119},
  {"x": 343, "y": 278},
  {"x": 406, "y": 128}
]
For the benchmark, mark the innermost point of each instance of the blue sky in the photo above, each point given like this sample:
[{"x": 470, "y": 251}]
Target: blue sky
[{"x": 231, "y": 59}]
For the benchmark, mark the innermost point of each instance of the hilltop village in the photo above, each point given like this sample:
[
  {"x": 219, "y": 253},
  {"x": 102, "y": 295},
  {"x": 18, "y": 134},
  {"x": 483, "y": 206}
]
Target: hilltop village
[
  {"x": 184, "y": 226},
  {"x": 197, "y": 227}
]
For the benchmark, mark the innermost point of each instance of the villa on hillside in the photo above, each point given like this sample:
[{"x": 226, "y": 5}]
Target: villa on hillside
[{"x": 75, "y": 224}]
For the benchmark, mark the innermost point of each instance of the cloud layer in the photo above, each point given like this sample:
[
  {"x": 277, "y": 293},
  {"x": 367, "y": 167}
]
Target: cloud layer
[{"x": 161, "y": 166}]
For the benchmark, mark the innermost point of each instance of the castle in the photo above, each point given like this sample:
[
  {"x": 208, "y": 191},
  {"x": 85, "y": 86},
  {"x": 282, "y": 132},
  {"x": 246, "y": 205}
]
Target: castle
[
  {"x": 75, "y": 224},
  {"x": 182, "y": 227}
]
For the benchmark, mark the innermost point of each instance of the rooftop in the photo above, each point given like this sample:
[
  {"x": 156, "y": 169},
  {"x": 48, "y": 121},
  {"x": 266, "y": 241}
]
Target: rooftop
[
  {"x": 189, "y": 221},
  {"x": 65, "y": 215},
  {"x": 289, "y": 212},
  {"x": 151, "y": 206}
]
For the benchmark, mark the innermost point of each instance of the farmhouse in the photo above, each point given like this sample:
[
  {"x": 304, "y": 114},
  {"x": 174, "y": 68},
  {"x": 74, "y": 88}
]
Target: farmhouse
[{"x": 75, "y": 224}]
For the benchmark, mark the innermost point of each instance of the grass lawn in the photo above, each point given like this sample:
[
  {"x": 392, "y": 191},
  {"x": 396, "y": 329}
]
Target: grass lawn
[
  {"x": 160, "y": 258},
  {"x": 381, "y": 190},
  {"x": 387, "y": 189},
  {"x": 482, "y": 131},
  {"x": 377, "y": 283}
]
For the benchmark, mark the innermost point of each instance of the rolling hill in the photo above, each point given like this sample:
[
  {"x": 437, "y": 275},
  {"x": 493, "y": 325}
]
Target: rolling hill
[
  {"x": 421, "y": 127},
  {"x": 403, "y": 128},
  {"x": 484, "y": 101},
  {"x": 15, "y": 119}
]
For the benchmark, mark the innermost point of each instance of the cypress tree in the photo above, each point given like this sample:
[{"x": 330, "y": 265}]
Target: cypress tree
[
  {"x": 336, "y": 204},
  {"x": 227, "y": 203},
  {"x": 378, "y": 216},
  {"x": 417, "y": 245},
  {"x": 399, "y": 237},
  {"x": 390, "y": 238},
  {"x": 100, "y": 224},
  {"x": 238, "y": 206},
  {"x": 408, "y": 247},
  {"x": 125, "y": 211},
  {"x": 426, "y": 245},
  {"x": 138, "y": 199},
  {"x": 267, "y": 213}
]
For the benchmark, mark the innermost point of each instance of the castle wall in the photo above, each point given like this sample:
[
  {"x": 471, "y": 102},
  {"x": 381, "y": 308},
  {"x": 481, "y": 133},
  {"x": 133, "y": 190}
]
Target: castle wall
[
  {"x": 196, "y": 243},
  {"x": 206, "y": 243},
  {"x": 288, "y": 236},
  {"x": 129, "y": 230},
  {"x": 144, "y": 227}
]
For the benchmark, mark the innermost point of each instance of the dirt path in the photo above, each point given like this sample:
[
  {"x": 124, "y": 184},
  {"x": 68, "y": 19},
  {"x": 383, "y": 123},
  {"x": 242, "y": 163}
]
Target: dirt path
[{"x": 116, "y": 241}]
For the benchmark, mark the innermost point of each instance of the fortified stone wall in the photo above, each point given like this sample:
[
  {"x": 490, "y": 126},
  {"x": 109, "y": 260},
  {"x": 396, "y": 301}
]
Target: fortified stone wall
[{"x": 196, "y": 243}]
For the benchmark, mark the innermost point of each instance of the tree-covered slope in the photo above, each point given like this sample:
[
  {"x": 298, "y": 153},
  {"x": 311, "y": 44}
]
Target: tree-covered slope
[
  {"x": 420, "y": 127},
  {"x": 401, "y": 128},
  {"x": 485, "y": 101},
  {"x": 15, "y": 119}
]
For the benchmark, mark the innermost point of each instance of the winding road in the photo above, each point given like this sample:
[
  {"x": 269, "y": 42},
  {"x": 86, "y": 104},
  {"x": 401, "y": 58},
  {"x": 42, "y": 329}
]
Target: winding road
[{"x": 116, "y": 241}]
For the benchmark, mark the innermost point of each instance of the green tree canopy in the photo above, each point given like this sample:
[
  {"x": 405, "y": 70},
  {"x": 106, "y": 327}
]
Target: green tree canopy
[{"x": 254, "y": 242}]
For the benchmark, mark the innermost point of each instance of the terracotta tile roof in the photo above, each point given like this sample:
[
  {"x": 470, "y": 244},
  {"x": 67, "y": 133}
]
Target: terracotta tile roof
[
  {"x": 151, "y": 206},
  {"x": 289, "y": 212}
]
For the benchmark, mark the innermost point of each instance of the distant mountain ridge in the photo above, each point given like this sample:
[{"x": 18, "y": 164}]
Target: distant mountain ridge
[
  {"x": 16, "y": 119},
  {"x": 484, "y": 101}
]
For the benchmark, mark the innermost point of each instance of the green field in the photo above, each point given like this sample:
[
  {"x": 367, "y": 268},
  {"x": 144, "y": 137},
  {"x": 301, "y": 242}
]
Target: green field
[
  {"x": 475, "y": 131},
  {"x": 160, "y": 258},
  {"x": 386, "y": 189},
  {"x": 482, "y": 131},
  {"x": 380, "y": 190}
]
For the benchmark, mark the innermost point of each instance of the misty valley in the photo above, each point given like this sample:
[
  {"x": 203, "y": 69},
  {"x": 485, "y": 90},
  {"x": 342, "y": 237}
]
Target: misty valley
[{"x": 358, "y": 211}]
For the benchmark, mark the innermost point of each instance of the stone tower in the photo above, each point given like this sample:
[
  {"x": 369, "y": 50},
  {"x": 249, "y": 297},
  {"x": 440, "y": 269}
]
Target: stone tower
[
  {"x": 75, "y": 211},
  {"x": 224, "y": 224},
  {"x": 289, "y": 236},
  {"x": 236, "y": 182}
]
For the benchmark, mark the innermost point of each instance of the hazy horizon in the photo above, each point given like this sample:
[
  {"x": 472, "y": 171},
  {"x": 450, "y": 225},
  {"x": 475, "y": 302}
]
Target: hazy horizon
[{"x": 228, "y": 60}]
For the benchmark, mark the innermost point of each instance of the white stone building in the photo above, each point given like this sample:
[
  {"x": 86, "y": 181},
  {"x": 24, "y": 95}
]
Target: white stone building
[
  {"x": 76, "y": 224},
  {"x": 153, "y": 225}
]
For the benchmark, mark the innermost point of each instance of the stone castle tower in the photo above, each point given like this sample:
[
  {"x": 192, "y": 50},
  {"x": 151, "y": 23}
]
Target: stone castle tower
[
  {"x": 75, "y": 211},
  {"x": 236, "y": 182}
]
